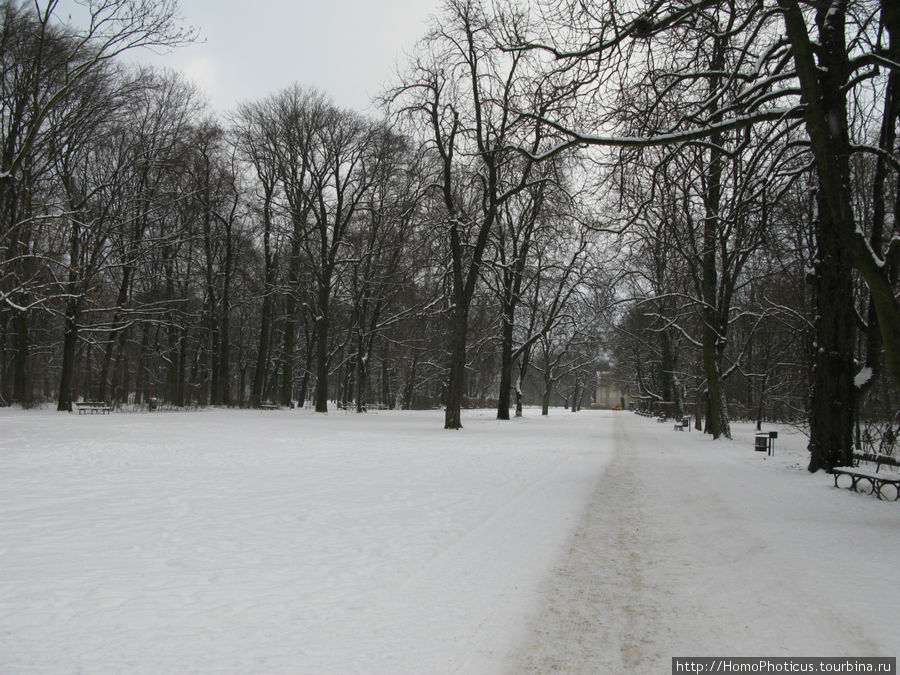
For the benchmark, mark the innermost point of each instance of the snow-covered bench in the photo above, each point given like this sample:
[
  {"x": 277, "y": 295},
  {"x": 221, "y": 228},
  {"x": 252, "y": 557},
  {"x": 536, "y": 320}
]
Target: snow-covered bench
[
  {"x": 884, "y": 485},
  {"x": 683, "y": 423},
  {"x": 92, "y": 407}
]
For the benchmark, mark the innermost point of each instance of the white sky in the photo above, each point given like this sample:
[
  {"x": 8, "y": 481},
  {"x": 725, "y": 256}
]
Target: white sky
[{"x": 250, "y": 49}]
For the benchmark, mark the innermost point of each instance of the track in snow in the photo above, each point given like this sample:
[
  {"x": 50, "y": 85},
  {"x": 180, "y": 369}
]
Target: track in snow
[{"x": 663, "y": 564}]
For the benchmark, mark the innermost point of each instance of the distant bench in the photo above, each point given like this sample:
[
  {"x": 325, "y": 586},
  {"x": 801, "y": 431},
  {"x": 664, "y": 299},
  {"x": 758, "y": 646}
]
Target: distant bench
[
  {"x": 875, "y": 481},
  {"x": 683, "y": 423},
  {"x": 92, "y": 407}
]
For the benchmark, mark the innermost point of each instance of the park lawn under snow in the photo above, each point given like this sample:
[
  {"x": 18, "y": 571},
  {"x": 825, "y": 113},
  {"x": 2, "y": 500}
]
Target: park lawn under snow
[{"x": 290, "y": 542}]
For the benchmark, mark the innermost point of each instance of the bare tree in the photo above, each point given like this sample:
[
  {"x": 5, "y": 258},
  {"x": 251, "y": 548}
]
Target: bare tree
[
  {"x": 257, "y": 138},
  {"x": 463, "y": 92},
  {"x": 44, "y": 65},
  {"x": 155, "y": 121},
  {"x": 757, "y": 76},
  {"x": 386, "y": 248}
]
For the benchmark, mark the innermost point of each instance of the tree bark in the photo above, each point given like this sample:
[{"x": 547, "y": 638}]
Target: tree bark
[
  {"x": 410, "y": 385},
  {"x": 286, "y": 394},
  {"x": 321, "y": 394},
  {"x": 717, "y": 412},
  {"x": 67, "y": 368},
  {"x": 456, "y": 380},
  {"x": 290, "y": 322},
  {"x": 822, "y": 83},
  {"x": 506, "y": 364},
  {"x": 20, "y": 359},
  {"x": 265, "y": 320},
  {"x": 833, "y": 396},
  {"x": 545, "y": 398},
  {"x": 523, "y": 369}
]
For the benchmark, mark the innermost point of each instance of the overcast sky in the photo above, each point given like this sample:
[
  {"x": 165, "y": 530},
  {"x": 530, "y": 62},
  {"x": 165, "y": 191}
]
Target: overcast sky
[{"x": 253, "y": 48}]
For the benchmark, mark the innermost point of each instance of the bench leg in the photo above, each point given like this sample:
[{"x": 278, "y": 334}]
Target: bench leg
[
  {"x": 864, "y": 479},
  {"x": 888, "y": 490}
]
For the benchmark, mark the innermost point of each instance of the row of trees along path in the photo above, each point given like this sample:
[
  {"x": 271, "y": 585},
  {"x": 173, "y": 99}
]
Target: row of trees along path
[{"x": 697, "y": 198}]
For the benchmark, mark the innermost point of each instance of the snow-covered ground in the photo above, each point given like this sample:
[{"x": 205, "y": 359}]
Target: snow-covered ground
[{"x": 290, "y": 542}]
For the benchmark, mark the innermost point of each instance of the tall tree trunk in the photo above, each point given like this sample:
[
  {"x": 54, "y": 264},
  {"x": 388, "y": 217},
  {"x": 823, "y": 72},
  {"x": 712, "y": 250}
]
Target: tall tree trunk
[
  {"x": 386, "y": 398},
  {"x": 224, "y": 353},
  {"x": 105, "y": 384},
  {"x": 833, "y": 396},
  {"x": 523, "y": 369},
  {"x": 362, "y": 373},
  {"x": 67, "y": 368},
  {"x": 225, "y": 319},
  {"x": 410, "y": 385},
  {"x": 669, "y": 386},
  {"x": 215, "y": 389},
  {"x": 822, "y": 78},
  {"x": 345, "y": 387},
  {"x": 119, "y": 381},
  {"x": 716, "y": 411},
  {"x": 322, "y": 361},
  {"x": 142, "y": 387},
  {"x": 104, "y": 381},
  {"x": 182, "y": 364},
  {"x": 880, "y": 181},
  {"x": 267, "y": 316},
  {"x": 262, "y": 353},
  {"x": 290, "y": 322},
  {"x": 506, "y": 364},
  {"x": 760, "y": 407},
  {"x": 20, "y": 360},
  {"x": 548, "y": 384},
  {"x": 304, "y": 381},
  {"x": 286, "y": 394},
  {"x": 456, "y": 380},
  {"x": 5, "y": 360}
]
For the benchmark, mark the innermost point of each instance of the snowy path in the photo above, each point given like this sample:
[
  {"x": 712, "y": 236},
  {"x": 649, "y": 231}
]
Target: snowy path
[{"x": 691, "y": 548}]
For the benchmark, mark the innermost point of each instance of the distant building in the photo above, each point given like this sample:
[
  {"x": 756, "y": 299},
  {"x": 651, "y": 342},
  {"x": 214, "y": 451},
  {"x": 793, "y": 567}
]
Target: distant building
[{"x": 610, "y": 393}]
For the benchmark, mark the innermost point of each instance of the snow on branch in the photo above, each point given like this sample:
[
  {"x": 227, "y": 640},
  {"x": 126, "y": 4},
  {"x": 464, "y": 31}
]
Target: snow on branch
[{"x": 698, "y": 133}]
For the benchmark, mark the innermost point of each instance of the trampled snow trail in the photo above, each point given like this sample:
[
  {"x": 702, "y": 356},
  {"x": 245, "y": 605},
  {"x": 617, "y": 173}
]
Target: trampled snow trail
[{"x": 668, "y": 561}]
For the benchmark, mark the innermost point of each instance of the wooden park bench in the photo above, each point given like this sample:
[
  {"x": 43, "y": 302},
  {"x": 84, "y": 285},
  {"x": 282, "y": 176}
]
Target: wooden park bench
[
  {"x": 92, "y": 407},
  {"x": 883, "y": 485},
  {"x": 268, "y": 406},
  {"x": 683, "y": 423}
]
